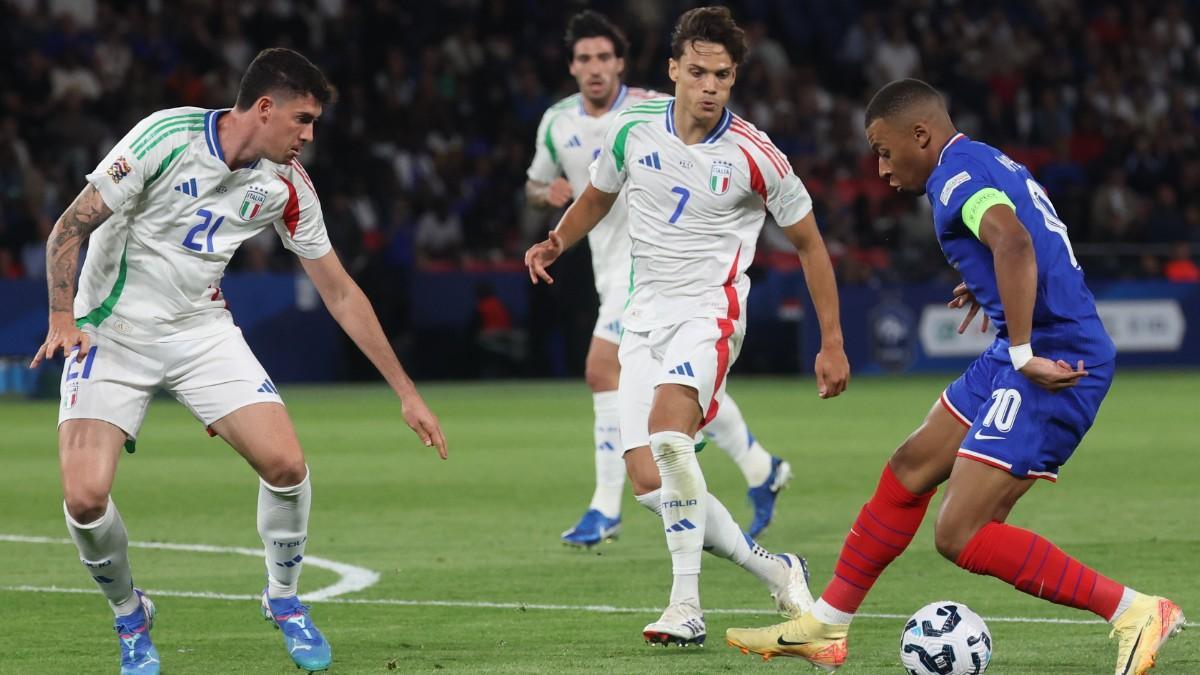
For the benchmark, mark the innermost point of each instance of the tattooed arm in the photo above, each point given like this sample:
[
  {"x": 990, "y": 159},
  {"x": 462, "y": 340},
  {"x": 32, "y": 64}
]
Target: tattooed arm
[{"x": 81, "y": 218}]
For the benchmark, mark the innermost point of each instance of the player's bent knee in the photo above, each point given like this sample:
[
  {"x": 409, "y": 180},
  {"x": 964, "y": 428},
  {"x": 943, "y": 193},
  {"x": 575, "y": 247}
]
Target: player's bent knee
[
  {"x": 643, "y": 472},
  {"x": 951, "y": 536},
  {"x": 599, "y": 378},
  {"x": 285, "y": 474},
  {"x": 86, "y": 505}
]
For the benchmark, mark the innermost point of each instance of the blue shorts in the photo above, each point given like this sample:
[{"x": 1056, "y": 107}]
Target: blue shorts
[{"x": 1015, "y": 425}]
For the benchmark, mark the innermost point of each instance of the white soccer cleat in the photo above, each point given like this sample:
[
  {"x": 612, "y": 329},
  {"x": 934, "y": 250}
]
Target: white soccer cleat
[
  {"x": 680, "y": 624},
  {"x": 793, "y": 598}
]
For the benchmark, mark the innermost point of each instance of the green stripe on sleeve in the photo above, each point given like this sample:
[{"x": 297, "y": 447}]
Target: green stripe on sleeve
[
  {"x": 166, "y": 121},
  {"x": 158, "y": 139},
  {"x": 978, "y": 204},
  {"x": 165, "y": 163},
  {"x": 548, "y": 140},
  {"x": 619, "y": 143},
  {"x": 98, "y": 315}
]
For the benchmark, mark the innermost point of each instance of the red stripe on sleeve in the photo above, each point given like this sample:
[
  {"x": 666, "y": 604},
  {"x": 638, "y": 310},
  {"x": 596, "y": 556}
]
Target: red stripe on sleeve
[
  {"x": 304, "y": 175},
  {"x": 291, "y": 212},
  {"x": 756, "y": 178},
  {"x": 777, "y": 159},
  {"x": 766, "y": 144}
]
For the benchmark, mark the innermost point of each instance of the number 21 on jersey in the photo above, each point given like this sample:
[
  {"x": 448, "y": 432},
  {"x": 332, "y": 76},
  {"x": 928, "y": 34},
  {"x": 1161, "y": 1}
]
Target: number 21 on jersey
[{"x": 206, "y": 228}]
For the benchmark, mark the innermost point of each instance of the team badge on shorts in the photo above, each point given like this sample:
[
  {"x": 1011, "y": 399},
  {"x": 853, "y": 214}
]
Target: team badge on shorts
[
  {"x": 119, "y": 169},
  {"x": 720, "y": 177},
  {"x": 252, "y": 203},
  {"x": 71, "y": 397}
]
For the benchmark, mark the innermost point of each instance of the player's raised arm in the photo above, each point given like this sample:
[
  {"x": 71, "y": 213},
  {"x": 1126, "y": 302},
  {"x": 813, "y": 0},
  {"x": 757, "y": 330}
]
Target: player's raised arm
[
  {"x": 584, "y": 214},
  {"x": 81, "y": 218},
  {"x": 353, "y": 312},
  {"x": 832, "y": 368},
  {"x": 1017, "y": 278}
]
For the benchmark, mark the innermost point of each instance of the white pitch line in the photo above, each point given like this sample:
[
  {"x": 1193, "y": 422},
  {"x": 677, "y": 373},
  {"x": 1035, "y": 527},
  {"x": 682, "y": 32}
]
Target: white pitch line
[
  {"x": 355, "y": 579},
  {"x": 351, "y": 578},
  {"x": 482, "y": 604}
]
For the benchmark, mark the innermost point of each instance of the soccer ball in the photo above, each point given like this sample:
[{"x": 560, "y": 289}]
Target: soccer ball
[{"x": 945, "y": 638}]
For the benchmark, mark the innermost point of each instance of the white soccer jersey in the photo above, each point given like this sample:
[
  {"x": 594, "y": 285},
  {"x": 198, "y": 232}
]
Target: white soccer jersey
[
  {"x": 695, "y": 211},
  {"x": 153, "y": 270},
  {"x": 568, "y": 140}
]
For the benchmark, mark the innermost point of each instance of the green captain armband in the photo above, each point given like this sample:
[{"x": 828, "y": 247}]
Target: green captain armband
[{"x": 978, "y": 204}]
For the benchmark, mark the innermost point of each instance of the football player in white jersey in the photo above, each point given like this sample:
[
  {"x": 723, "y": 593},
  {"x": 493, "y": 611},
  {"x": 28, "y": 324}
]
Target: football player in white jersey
[
  {"x": 163, "y": 214},
  {"x": 698, "y": 181},
  {"x": 568, "y": 139}
]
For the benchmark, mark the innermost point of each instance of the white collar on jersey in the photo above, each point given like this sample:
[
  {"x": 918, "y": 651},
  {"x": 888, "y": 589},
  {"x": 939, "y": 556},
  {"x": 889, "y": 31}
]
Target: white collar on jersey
[
  {"x": 616, "y": 102},
  {"x": 717, "y": 131},
  {"x": 953, "y": 139}
]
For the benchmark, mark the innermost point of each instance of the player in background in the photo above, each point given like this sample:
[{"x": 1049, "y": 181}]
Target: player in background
[
  {"x": 699, "y": 181},
  {"x": 569, "y": 138},
  {"x": 1016, "y": 414},
  {"x": 163, "y": 214}
]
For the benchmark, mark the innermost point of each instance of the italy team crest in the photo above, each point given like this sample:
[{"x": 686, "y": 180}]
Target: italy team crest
[
  {"x": 252, "y": 203},
  {"x": 721, "y": 177}
]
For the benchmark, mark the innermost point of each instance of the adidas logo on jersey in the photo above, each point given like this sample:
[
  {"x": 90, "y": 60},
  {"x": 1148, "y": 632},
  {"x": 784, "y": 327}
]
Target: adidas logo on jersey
[
  {"x": 574, "y": 142},
  {"x": 268, "y": 387},
  {"x": 188, "y": 187},
  {"x": 684, "y": 368},
  {"x": 651, "y": 160}
]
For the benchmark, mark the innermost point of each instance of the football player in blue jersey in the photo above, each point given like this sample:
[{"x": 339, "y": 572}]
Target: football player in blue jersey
[{"x": 1016, "y": 414}]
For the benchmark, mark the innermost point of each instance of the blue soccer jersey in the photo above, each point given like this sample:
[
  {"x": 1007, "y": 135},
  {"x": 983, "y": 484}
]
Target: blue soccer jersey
[{"x": 972, "y": 177}]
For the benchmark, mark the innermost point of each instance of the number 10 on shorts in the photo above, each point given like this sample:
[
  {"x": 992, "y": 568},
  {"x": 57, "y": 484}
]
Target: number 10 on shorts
[{"x": 1003, "y": 413}]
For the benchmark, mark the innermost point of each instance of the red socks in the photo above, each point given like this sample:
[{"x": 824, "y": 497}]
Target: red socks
[
  {"x": 882, "y": 531},
  {"x": 1039, "y": 568}
]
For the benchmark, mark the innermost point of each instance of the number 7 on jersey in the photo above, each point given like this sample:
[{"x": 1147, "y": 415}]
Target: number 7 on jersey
[{"x": 683, "y": 199}]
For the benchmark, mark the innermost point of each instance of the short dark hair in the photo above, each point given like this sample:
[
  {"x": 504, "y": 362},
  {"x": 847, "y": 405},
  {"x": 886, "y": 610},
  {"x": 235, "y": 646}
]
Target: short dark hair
[
  {"x": 278, "y": 69},
  {"x": 898, "y": 97},
  {"x": 709, "y": 24},
  {"x": 590, "y": 24}
]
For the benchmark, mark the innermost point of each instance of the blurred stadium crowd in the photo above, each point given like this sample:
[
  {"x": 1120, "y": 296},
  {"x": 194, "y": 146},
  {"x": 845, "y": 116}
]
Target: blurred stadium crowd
[{"x": 422, "y": 162}]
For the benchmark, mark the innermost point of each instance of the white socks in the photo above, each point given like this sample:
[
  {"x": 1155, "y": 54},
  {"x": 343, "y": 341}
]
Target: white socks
[
  {"x": 724, "y": 539},
  {"x": 683, "y": 498},
  {"x": 283, "y": 526},
  {"x": 610, "y": 460},
  {"x": 103, "y": 548},
  {"x": 1126, "y": 600},
  {"x": 728, "y": 430},
  {"x": 826, "y": 613}
]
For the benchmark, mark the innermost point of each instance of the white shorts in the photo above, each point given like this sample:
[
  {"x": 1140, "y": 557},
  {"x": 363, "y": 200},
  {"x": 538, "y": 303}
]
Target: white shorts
[
  {"x": 211, "y": 376},
  {"x": 695, "y": 353},
  {"x": 608, "y": 319}
]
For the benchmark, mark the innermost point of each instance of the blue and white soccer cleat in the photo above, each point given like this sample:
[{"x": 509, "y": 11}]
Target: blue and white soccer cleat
[
  {"x": 793, "y": 598},
  {"x": 138, "y": 655},
  {"x": 593, "y": 528},
  {"x": 762, "y": 497},
  {"x": 681, "y": 624},
  {"x": 303, "y": 641}
]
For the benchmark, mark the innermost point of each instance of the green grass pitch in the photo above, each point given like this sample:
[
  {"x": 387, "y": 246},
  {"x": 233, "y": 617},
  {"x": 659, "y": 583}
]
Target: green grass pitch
[{"x": 447, "y": 538}]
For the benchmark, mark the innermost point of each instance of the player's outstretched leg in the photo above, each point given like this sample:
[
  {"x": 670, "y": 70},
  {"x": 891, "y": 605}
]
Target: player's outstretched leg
[
  {"x": 602, "y": 521},
  {"x": 1141, "y": 623},
  {"x": 882, "y": 531},
  {"x": 884, "y": 527},
  {"x": 766, "y": 475},
  {"x": 784, "y": 574},
  {"x": 283, "y": 526}
]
